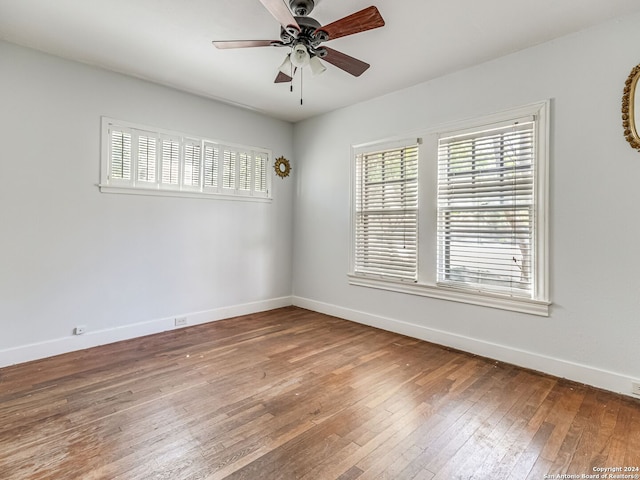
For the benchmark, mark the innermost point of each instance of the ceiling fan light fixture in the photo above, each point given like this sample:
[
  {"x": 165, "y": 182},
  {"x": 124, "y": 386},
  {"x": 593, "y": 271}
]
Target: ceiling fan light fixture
[
  {"x": 300, "y": 56},
  {"x": 317, "y": 68}
]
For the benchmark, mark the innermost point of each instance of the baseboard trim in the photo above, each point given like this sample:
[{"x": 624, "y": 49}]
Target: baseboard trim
[
  {"x": 36, "y": 351},
  {"x": 585, "y": 374}
]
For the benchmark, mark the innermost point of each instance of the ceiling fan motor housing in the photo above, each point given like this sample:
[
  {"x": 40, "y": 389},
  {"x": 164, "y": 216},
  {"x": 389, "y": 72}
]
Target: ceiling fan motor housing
[
  {"x": 309, "y": 36},
  {"x": 301, "y": 8}
]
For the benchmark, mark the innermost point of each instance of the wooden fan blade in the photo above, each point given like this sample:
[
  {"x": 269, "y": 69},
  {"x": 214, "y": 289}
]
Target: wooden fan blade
[
  {"x": 349, "y": 64},
  {"x": 282, "y": 78},
  {"x": 361, "y": 21},
  {"x": 281, "y": 13},
  {"x": 246, "y": 43}
]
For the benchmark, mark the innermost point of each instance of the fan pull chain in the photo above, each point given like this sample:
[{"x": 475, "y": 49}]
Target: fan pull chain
[{"x": 301, "y": 70}]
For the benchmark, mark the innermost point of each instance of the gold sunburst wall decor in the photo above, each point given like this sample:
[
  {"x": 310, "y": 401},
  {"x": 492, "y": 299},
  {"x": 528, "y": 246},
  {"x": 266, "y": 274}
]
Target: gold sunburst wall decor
[{"x": 282, "y": 167}]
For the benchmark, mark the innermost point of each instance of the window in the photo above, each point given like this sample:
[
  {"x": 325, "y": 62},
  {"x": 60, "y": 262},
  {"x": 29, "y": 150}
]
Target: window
[
  {"x": 486, "y": 209},
  {"x": 472, "y": 227},
  {"x": 386, "y": 220},
  {"x": 143, "y": 160}
]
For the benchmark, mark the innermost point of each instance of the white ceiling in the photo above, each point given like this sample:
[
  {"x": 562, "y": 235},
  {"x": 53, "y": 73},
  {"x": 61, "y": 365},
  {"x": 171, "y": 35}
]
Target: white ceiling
[{"x": 169, "y": 42}]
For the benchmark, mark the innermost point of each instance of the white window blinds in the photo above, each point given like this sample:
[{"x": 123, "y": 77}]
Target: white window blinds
[
  {"x": 486, "y": 207},
  {"x": 386, "y": 213}
]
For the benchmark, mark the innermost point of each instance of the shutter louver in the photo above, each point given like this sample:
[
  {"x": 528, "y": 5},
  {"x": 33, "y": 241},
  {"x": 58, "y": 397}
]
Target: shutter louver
[
  {"x": 486, "y": 210},
  {"x": 386, "y": 230},
  {"x": 120, "y": 155}
]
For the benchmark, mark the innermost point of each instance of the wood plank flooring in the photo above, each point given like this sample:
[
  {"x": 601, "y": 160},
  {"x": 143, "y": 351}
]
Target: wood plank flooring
[{"x": 292, "y": 394}]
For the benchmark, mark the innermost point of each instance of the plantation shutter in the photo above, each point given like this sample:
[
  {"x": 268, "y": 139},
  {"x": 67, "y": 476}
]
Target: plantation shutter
[
  {"x": 170, "y": 161},
  {"x": 139, "y": 158},
  {"x": 192, "y": 160},
  {"x": 211, "y": 162},
  {"x": 386, "y": 213},
  {"x": 120, "y": 155},
  {"x": 260, "y": 173},
  {"x": 147, "y": 160},
  {"x": 244, "y": 182},
  {"x": 486, "y": 207},
  {"x": 229, "y": 170}
]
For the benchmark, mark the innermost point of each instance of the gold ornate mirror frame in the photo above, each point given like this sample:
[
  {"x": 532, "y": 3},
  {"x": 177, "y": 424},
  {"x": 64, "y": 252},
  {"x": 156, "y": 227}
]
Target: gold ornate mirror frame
[
  {"x": 282, "y": 167},
  {"x": 628, "y": 108}
]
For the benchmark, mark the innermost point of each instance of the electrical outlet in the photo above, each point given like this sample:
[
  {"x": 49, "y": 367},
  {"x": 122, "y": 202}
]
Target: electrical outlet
[
  {"x": 635, "y": 388},
  {"x": 181, "y": 321},
  {"x": 80, "y": 330}
]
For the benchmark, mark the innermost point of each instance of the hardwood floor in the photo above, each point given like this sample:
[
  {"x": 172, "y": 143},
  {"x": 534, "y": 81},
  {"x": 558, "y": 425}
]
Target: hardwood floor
[{"x": 292, "y": 394}]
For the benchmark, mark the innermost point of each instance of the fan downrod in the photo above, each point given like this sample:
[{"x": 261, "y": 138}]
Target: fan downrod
[{"x": 301, "y": 8}]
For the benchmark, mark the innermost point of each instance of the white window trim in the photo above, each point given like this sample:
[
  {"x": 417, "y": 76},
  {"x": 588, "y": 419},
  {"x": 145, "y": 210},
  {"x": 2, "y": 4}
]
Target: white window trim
[
  {"x": 426, "y": 285},
  {"x": 135, "y": 187},
  {"x": 395, "y": 145},
  {"x": 514, "y": 304}
]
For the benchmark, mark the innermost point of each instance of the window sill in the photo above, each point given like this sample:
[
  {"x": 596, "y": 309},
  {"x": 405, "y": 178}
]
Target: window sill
[
  {"x": 503, "y": 302},
  {"x": 180, "y": 193}
]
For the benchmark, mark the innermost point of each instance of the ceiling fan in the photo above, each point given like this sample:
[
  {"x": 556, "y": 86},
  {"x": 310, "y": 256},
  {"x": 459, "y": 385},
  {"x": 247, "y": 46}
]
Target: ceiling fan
[{"x": 303, "y": 35}]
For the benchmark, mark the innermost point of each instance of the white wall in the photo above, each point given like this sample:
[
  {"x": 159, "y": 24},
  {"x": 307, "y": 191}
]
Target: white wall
[
  {"x": 121, "y": 265},
  {"x": 593, "y": 332}
]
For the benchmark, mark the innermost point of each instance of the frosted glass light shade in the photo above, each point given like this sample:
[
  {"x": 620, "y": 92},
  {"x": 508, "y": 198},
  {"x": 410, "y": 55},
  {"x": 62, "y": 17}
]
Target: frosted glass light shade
[
  {"x": 300, "y": 56},
  {"x": 286, "y": 66},
  {"x": 316, "y": 65}
]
